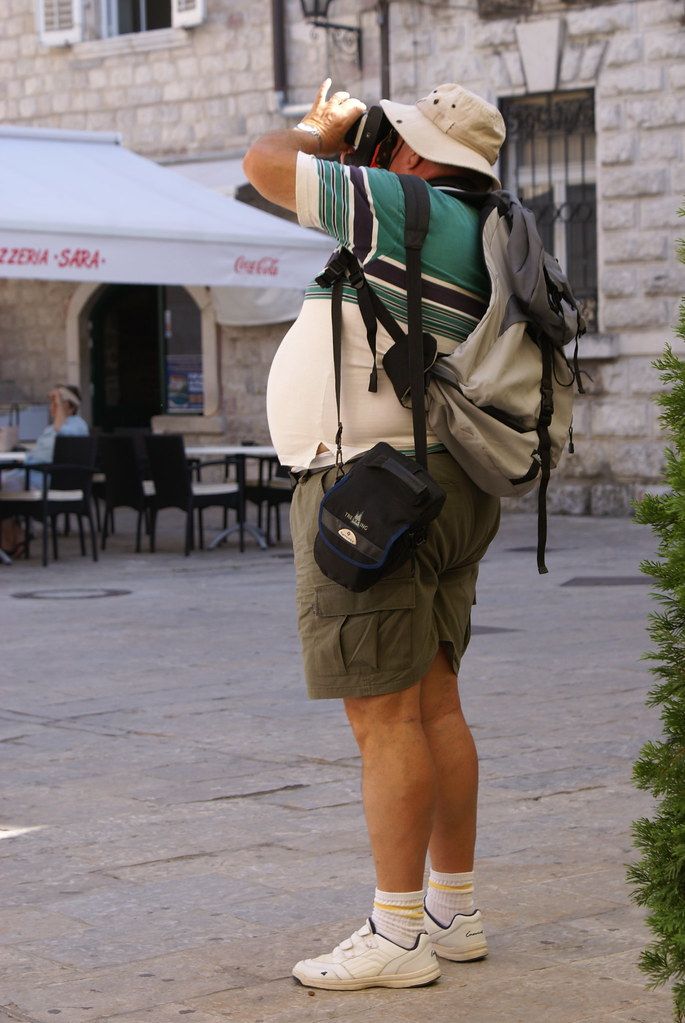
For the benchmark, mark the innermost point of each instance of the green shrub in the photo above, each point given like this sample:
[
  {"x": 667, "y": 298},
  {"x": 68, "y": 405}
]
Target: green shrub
[{"x": 658, "y": 878}]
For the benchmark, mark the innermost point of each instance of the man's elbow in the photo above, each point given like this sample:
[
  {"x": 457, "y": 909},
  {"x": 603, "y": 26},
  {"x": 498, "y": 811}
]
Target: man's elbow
[
  {"x": 259, "y": 171},
  {"x": 251, "y": 166},
  {"x": 272, "y": 174}
]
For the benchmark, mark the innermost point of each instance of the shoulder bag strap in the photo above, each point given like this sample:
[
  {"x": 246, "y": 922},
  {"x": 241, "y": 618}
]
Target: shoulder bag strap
[{"x": 336, "y": 323}]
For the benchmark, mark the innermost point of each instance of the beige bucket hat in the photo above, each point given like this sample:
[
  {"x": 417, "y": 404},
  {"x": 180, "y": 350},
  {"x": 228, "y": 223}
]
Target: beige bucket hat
[{"x": 453, "y": 126}]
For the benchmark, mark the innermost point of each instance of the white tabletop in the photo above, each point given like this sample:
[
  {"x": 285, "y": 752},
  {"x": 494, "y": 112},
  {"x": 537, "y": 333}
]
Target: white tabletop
[
  {"x": 12, "y": 456},
  {"x": 224, "y": 450}
]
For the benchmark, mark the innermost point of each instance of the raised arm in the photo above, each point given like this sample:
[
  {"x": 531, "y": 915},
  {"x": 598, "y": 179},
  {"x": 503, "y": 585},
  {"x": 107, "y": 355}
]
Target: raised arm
[{"x": 270, "y": 162}]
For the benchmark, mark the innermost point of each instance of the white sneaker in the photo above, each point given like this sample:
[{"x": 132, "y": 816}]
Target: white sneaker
[
  {"x": 367, "y": 959},
  {"x": 462, "y": 941}
]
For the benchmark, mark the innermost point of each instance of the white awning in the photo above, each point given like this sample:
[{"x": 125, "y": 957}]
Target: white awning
[
  {"x": 250, "y": 307},
  {"x": 78, "y": 206},
  {"x": 223, "y": 175}
]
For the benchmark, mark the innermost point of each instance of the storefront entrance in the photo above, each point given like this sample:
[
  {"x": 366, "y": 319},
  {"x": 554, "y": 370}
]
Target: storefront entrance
[{"x": 146, "y": 355}]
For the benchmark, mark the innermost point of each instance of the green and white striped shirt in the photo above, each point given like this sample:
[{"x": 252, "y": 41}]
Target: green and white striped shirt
[{"x": 363, "y": 209}]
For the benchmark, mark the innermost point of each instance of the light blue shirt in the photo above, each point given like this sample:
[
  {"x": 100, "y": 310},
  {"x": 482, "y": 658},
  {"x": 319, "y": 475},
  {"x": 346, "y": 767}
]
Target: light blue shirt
[{"x": 73, "y": 426}]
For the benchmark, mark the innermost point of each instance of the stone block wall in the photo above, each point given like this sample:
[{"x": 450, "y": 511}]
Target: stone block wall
[
  {"x": 631, "y": 54},
  {"x": 168, "y": 91},
  {"x": 246, "y": 354},
  {"x": 209, "y": 89},
  {"x": 32, "y": 335}
]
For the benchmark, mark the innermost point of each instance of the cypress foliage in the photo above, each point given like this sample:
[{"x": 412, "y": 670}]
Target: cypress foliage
[{"x": 658, "y": 878}]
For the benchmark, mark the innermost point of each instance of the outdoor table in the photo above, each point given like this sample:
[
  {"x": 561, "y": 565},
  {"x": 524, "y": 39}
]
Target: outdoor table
[
  {"x": 241, "y": 452},
  {"x": 9, "y": 460}
]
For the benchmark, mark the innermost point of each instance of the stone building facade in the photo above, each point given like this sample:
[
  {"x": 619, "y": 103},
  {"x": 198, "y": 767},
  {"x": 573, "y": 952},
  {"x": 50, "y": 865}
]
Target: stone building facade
[{"x": 199, "y": 94}]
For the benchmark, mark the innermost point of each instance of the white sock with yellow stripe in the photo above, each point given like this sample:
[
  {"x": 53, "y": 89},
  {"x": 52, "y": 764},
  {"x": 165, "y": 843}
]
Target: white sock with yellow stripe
[
  {"x": 449, "y": 894},
  {"x": 398, "y": 916}
]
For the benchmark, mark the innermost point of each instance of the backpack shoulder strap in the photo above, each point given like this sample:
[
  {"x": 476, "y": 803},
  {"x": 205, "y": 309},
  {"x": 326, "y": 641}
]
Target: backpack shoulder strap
[
  {"x": 416, "y": 221},
  {"x": 416, "y": 210}
]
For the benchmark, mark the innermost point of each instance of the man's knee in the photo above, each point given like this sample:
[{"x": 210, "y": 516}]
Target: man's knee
[
  {"x": 371, "y": 715},
  {"x": 439, "y": 688}
]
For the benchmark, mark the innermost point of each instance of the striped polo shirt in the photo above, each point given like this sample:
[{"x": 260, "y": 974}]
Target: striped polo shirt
[{"x": 363, "y": 209}]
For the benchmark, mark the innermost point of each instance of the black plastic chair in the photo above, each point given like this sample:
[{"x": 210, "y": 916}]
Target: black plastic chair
[
  {"x": 66, "y": 490},
  {"x": 124, "y": 485},
  {"x": 175, "y": 488},
  {"x": 272, "y": 490},
  {"x": 137, "y": 435},
  {"x": 227, "y": 463},
  {"x": 98, "y": 490}
]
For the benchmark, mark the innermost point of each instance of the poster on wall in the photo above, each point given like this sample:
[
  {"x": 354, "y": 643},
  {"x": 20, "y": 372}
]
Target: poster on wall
[{"x": 184, "y": 385}]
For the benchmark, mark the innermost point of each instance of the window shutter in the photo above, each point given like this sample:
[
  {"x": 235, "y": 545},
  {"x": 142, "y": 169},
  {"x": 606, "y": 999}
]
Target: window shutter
[
  {"x": 186, "y": 13},
  {"x": 60, "y": 22}
]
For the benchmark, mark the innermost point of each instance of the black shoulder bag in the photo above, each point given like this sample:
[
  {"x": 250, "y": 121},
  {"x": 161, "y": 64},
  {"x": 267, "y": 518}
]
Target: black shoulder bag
[{"x": 378, "y": 512}]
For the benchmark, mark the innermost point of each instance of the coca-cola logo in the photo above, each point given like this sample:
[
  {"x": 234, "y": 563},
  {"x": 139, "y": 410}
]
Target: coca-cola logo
[{"x": 267, "y": 266}]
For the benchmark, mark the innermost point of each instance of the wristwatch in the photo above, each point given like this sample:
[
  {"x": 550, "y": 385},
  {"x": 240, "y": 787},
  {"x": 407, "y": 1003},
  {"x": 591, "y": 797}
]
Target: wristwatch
[{"x": 310, "y": 129}]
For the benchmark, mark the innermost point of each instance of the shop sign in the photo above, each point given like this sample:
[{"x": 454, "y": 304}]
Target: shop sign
[
  {"x": 184, "y": 383},
  {"x": 83, "y": 259}
]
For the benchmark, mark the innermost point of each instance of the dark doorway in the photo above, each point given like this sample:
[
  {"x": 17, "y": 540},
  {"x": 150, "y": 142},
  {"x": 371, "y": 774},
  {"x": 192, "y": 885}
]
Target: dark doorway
[
  {"x": 146, "y": 355},
  {"x": 126, "y": 332}
]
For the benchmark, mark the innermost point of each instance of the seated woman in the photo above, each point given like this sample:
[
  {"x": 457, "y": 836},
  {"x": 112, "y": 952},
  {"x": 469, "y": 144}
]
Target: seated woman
[{"x": 65, "y": 402}]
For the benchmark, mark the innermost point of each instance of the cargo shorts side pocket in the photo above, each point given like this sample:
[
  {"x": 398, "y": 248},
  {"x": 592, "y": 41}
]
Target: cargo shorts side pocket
[{"x": 364, "y": 632}]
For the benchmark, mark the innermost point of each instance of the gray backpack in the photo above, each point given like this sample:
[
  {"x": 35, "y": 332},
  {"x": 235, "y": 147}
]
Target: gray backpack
[{"x": 501, "y": 403}]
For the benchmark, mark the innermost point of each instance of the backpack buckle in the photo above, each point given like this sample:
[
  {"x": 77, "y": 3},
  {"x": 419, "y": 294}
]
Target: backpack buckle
[
  {"x": 546, "y": 405},
  {"x": 332, "y": 272},
  {"x": 356, "y": 278}
]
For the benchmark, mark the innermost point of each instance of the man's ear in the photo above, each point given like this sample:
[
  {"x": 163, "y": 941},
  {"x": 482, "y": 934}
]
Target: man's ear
[{"x": 413, "y": 158}]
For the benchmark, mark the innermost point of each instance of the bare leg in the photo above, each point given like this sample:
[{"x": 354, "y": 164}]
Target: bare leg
[
  {"x": 10, "y": 534},
  {"x": 398, "y": 784},
  {"x": 453, "y": 752},
  {"x": 420, "y": 778}
]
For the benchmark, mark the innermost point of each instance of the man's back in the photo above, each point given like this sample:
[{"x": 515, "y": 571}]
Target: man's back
[{"x": 363, "y": 209}]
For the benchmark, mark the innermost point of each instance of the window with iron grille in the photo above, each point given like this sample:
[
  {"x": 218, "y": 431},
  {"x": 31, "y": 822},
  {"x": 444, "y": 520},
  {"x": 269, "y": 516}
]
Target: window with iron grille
[{"x": 548, "y": 160}]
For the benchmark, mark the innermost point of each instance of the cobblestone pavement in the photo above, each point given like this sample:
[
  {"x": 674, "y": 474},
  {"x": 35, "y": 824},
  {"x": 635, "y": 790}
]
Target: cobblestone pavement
[{"x": 179, "y": 824}]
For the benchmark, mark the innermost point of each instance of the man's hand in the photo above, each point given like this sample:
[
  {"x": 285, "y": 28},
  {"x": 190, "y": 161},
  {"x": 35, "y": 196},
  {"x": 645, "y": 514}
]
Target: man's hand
[
  {"x": 332, "y": 118},
  {"x": 270, "y": 162}
]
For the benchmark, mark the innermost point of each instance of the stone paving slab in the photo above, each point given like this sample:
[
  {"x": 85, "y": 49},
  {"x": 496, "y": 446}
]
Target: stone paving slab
[{"x": 178, "y": 824}]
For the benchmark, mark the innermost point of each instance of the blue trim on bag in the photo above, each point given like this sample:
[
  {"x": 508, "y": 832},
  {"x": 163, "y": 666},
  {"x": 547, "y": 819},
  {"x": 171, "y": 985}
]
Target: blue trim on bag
[{"x": 351, "y": 561}]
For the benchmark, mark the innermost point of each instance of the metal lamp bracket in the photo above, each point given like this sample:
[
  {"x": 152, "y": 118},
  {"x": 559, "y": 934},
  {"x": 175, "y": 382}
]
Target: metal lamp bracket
[{"x": 347, "y": 37}]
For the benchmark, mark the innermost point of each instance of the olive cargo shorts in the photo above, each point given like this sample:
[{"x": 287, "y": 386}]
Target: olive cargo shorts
[{"x": 385, "y": 639}]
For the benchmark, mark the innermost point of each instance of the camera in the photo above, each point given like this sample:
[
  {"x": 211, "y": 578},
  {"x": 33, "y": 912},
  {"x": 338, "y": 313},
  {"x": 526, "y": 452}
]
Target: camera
[{"x": 370, "y": 136}]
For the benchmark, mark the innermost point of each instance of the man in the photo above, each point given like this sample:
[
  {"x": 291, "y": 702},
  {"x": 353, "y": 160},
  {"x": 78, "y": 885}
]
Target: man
[{"x": 390, "y": 653}]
